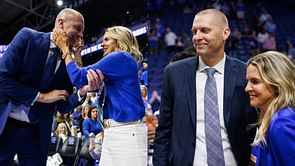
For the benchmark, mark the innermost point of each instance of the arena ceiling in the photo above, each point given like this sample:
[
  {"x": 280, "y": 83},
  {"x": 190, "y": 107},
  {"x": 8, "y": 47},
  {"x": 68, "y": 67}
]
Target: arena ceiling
[{"x": 40, "y": 14}]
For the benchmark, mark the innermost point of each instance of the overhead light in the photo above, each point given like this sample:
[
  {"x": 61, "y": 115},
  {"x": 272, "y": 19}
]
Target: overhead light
[{"x": 59, "y": 2}]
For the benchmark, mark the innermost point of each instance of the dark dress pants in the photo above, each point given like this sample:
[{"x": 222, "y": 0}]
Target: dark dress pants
[{"x": 21, "y": 138}]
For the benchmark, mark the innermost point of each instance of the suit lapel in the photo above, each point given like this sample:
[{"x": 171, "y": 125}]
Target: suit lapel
[
  {"x": 44, "y": 44},
  {"x": 43, "y": 51},
  {"x": 230, "y": 78},
  {"x": 190, "y": 87},
  {"x": 60, "y": 72}
]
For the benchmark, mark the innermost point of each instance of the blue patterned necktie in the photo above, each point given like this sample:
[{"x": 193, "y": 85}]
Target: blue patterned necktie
[
  {"x": 49, "y": 68},
  {"x": 215, "y": 155},
  {"x": 100, "y": 97}
]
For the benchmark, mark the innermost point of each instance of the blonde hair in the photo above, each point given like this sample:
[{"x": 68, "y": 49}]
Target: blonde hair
[
  {"x": 58, "y": 129},
  {"x": 84, "y": 114},
  {"x": 144, "y": 88},
  {"x": 126, "y": 41},
  {"x": 279, "y": 72}
]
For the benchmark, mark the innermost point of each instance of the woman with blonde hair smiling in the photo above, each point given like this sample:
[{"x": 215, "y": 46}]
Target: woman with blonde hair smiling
[
  {"x": 62, "y": 131},
  {"x": 271, "y": 86},
  {"x": 125, "y": 134}
]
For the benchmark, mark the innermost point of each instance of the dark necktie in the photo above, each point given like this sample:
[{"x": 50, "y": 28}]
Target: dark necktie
[
  {"x": 212, "y": 123},
  {"x": 48, "y": 73},
  {"x": 49, "y": 68}
]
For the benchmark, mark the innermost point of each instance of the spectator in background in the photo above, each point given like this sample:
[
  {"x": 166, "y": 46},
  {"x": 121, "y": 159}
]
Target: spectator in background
[
  {"x": 93, "y": 98},
  {"x": 263, "y": 17},
  {"x": 77, "y": 114},
  {"x": 240, "y": 8},
  {"x": 261, "y": 36},
  {"x": 153, "y": 42},
  {"x": 233, "y": 42},
  {"x": 144, "y": 75},
  {"x": 85, "y": 110},
  {"x": 269, "y": 42},
  {"x": 182, "y": 137},
  {"x": 68, "y": 120},
  {"x": 252, "y": 42},
  {"x": 271, "y": 88},
  {"x": 58, "y": 118},
  {"x": 144, "y": 92},
  {"x": 95, "y": 146},
  {"x": 84, "y": 115},
  {"x": 91, "y": 124},
  {"x": 61, "y": 118},
  {"x": 187, "y": 42},
  {"x": 155, "y": 100},
  {"x": 62, "y": 131},
  {"x": 152, "y": 124},
  {"x": 159, "y": 28},
  {"x": 149, "y": 115},
  {"x": 270, "y": 26},
  {"x": 179, "y": 44},
  {"x": 236, "y": 34},
  {"x": 170, "y": 40}
]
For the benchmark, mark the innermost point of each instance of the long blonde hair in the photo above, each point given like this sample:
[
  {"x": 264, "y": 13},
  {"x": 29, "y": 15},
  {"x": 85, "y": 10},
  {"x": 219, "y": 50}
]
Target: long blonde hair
[
  {"x": 58, "y": 129},
  {"x": 126, "y": 41},
  {"x": 278, "y": 71}
]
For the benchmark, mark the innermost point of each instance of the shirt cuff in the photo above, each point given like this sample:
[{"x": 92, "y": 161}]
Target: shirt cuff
[
  {"x": 80, "y": 98},
  {"x": 36, "y": 98}
]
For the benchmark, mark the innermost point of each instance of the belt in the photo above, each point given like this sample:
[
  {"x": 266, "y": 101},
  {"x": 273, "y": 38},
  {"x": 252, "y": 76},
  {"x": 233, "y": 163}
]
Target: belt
[
  {"x": 18, "y": 123},
  {"x": 107, "y": 123}
]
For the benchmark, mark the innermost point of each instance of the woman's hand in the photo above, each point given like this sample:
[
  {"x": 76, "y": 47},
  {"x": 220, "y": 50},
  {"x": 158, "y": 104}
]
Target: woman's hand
[
  {"x": 77, "y": 48},
  {"x": 95, "y": 79},
  {"x": 78, "y": 44},
  {"x": 61, "y": 40}
]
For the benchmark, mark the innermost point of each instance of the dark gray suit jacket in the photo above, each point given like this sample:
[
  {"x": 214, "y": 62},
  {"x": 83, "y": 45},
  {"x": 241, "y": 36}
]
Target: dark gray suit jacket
[{"x": 176, "y": 134}]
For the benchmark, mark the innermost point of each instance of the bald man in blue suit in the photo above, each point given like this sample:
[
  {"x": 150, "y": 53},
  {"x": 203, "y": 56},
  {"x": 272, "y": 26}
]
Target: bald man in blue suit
[{"x": 27, "y": 104}]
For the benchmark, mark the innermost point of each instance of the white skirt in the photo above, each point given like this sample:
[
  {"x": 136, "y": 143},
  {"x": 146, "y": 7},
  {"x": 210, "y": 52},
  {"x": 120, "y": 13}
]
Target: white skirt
[{"x": 125, "y": 146}]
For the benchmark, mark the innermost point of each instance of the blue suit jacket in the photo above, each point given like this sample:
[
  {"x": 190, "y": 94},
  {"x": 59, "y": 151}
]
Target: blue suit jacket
[
  {"x": 280, "y": 138},
  {"x": 176, "y": 134},
  {"x": 21, "y": 70}
]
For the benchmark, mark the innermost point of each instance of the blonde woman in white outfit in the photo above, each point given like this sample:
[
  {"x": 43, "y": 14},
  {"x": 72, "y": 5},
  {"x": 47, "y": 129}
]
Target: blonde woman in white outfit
[{"x": 125, "y": 135}]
